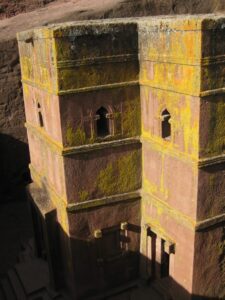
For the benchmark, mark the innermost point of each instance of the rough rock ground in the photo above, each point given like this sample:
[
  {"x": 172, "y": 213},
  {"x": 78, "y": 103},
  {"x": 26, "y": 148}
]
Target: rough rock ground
[
  {"x": 12, "y": 8},
  {"x": 28, "y": 279}
]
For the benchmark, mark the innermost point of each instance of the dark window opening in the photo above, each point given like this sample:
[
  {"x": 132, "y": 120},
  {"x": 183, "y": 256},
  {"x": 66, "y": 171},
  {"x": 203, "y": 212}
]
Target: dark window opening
[
  {"x": 102, "y": 122},
  {"x": 151, "y": 255},
  {"x": 165, "y": 261},
  {"x": 166, "y": 126},
  {"x": 41, "y": 122},
  {"x": 40, "y": 117}
]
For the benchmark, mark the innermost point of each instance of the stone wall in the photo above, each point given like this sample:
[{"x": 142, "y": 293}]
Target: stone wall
[
  {"x": 13, "y": 140},
  {"x": 12, "y": 8}
]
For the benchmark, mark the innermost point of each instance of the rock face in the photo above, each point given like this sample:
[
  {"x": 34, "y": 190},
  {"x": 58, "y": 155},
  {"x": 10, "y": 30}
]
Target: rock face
[
  {"x": 165, "y": 7},
  {"x": 13, "y": 140},
  {"x": 14, "y": 150},
  {"x": 12, "y": 8},
  {"x": 125, "y": 128}
]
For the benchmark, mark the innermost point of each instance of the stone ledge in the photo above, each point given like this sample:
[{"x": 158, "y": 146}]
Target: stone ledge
[
  {"x": 132, "y": 196},
  {"x": 218, "y": 91},
  {"x": 66, "y": 151},
  {"x": 184, "y": 219},
  {"x": 198, "y": 162},
  {"x": 96, "y": 60},
  {"x": 161, "y": 147},
  {"x": 201, "y": 94},
  {"x": 100, "y": 146},
  {"x": 126, "y": 57},
  {"x": 100, "y": 87},
  {"x": 83, "y": 89},
  {"x": 186, "y": 61},
  {"x": 166, "y": 208},
  {"x": 211, "y": 161},
  {"x": 207, "y": 223}
]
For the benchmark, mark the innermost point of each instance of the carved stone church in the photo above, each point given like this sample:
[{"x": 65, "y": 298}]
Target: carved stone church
[{"x": 126, "y": 127}]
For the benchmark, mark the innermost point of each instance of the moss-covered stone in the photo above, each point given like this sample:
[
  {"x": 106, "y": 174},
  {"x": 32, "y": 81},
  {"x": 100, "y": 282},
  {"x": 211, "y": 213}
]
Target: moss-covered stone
[
  {"x": 121, "y": 176},
  {"x": 83, "y": 195},
  {"x": 131, "y": 118},
  {"x": 74, "y": 138}
]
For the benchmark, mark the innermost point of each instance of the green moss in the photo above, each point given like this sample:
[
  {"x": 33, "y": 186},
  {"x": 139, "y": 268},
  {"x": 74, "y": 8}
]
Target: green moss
[
  {"x": 216, "y": 141},
  {"x": 75, "y": 138},
  {"x": 221, "y": 248},
  {"x": 106, "y": 181},
  {"x": 221, "y": 252},
  {"x": 80, "y": 136},
  {"x": 121, "y": 176},
  {"x": 131, "y": 118},
  {"x": 90, "y": 76},
  {"x": 70, "y": 136},
  {"x": 128, "y": 174},
  {"x": 83, "y": 195}
]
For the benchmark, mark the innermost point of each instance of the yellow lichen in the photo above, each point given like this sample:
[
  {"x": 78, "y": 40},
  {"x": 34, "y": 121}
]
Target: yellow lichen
[
  {"x": 131, "y": 118},
  {"x": 83, "y": 195},
  {"x": 121, "y": 176},
  {"x": 216, "y": 140},
  {"x": 74, "y": 138},
  {"x": 184, "y": 142}
]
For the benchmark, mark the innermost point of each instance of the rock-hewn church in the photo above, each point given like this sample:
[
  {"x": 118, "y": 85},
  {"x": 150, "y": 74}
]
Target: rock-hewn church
[{"x": 125, "y": 122}]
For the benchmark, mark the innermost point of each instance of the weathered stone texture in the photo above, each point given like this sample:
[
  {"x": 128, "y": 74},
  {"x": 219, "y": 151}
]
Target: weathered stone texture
[
  {"x": 12, "y": 111},
  {"x": 85, "y": 252},
  {"x": 209, "y": 261},
  {"x": 103, "y": 173},
  {"x": 12, "y": 8},
  {"x": 186, "y": 79},
  {"x": 154, "y": 163},
  {"x": 211, "y": 191},
  {"x": 13, "y": 139}
]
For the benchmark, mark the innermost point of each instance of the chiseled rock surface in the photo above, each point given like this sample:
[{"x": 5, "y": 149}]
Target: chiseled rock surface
[
  {"x": 14, "y": 150},
  {"x": 13, "y": 139}
]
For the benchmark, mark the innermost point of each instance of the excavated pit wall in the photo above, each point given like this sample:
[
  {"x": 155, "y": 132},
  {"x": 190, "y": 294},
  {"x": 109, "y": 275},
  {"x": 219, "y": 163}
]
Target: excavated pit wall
[
  {"x": 182, "y": 186},
  {"x": 13, "y": 139}
]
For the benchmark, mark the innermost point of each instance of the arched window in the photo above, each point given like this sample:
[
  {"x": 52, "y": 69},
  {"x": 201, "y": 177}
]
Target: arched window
[
  {"x": 102, "y": 122},
  {"x": 166, "y": 126},
  {"x": 40, "y": 117}
]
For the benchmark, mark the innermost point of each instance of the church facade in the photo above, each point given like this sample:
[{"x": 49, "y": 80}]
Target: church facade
[{"x": 125, "y": 123}]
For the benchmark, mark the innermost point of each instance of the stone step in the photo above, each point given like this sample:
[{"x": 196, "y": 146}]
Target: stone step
[
  {"x": 7, "y": 289},
  {"x": 53, "y": 294},
  {"x": 62, "y": 296},
  {"x": 34, "y": 275},
  {"x": 115, "y": 291},
  {"x": 16, "y": 284},
  {"x": 23, "y": 246},
  {"x": 2, "y": 296},
  {"x": 21, "y": 257},
  {"x": 27, "y": 251},
  {"x": 25, "y": 257},
  {"x": 161, "y": 286},
  {"x": 41, "y": 294},
  {"x": 145, "y": 293}
]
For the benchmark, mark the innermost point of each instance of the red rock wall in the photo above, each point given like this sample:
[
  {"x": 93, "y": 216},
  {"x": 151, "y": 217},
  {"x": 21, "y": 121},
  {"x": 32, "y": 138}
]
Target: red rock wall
[
  {"x": 209, "y": 264},
  {"x": 93, "y": 271}
]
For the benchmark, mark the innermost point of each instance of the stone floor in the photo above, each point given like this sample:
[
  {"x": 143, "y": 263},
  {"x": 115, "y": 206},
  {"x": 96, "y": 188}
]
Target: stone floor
[
  {"x": 142, "y": 293},
  {"x": 21, "y": 269}
]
